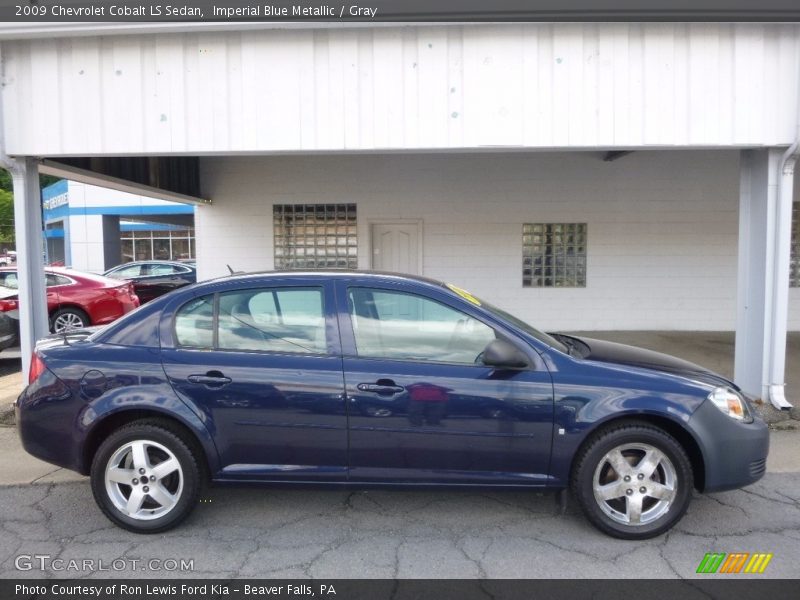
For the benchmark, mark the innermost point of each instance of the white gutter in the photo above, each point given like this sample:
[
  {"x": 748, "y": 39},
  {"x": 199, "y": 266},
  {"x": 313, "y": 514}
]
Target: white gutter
[
  {"x": 783, "y": 233},
  {"x": 30, "y": 31}
]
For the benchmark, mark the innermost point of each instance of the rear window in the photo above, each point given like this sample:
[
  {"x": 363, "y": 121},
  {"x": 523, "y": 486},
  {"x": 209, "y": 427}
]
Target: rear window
[{"x": 53, "y": 279}]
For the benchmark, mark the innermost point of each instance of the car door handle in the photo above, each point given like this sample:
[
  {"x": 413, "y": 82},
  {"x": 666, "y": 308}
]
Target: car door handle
[
  {"x": 210, "y": 379},
  {"x": 382, "y": 389}
]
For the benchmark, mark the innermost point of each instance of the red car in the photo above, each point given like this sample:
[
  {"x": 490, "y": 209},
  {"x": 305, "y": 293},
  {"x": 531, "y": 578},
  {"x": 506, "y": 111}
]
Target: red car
[{"x": 74, "y": 300}]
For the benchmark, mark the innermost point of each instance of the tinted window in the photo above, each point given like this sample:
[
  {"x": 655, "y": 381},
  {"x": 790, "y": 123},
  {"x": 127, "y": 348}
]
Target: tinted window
[
  {"x": 163, "y": 270},
  {"x": 404, "y": 326},
  {"x": 126, "y": 272},
  {"x": 194, "y": 323},
  {"x": 53, "y": 279},
  {"x": 9, "y": 279},
  {"x": 274, "y": 320}
]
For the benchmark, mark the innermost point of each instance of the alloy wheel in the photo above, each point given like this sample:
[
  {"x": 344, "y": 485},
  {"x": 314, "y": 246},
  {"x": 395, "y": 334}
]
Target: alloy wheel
[
  {"x": 67, "y": 322},
  {"x": 635, "y": 484},
  {"x": 144, "y": 480}
]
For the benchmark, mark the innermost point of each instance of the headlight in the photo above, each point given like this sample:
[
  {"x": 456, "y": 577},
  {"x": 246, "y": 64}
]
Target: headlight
[{"x": 731, "y": 403}]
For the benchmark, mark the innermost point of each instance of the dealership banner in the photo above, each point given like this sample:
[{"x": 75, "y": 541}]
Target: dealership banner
[
  {"x": 404, "y": 589},
  {"x": 396, "y": 10}
]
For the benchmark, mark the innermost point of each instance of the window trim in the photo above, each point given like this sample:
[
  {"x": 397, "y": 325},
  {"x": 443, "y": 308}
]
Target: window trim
[{"x": 176, "y": 345}]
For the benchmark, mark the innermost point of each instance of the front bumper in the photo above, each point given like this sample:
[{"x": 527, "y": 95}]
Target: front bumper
[{"x": 734, "y": 453}]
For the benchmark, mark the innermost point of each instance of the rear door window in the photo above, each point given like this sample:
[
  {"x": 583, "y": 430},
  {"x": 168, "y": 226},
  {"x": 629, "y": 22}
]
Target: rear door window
[
  {"x": 163, "y": 270},
  {"x": 273, "y": 320},
  {"x": 260, "y": 320},
  {"x": 126, "y": 272}
]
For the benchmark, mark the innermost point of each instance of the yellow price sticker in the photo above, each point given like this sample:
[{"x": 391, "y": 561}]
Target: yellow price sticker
[{"x": 464, "y": 294}]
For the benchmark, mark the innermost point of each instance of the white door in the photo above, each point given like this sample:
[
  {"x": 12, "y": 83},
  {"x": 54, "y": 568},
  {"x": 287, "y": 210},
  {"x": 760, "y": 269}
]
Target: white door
[{"x": 395, "y": 247}]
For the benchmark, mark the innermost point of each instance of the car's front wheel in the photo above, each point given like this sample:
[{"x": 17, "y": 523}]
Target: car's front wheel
[
  {"x": 633, "y": 480},
  {"x": 145, "y": 477}
]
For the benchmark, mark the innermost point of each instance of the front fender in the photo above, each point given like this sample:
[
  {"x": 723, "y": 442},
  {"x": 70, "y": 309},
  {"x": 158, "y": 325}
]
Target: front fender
[{"x": 594, "y": 395}]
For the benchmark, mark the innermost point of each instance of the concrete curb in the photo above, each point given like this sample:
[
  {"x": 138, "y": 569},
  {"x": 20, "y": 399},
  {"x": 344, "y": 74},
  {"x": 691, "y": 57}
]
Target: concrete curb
[
  {"x": 7, "y": 418},
  {"x": 11, "y": 386},
  {"x": 779, "y": 419}
]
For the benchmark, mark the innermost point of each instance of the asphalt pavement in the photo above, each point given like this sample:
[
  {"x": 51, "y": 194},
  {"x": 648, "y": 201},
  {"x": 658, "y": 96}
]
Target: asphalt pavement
[
  {"x": 286, "y": 533},
  {"x": 50, "y": 523}
]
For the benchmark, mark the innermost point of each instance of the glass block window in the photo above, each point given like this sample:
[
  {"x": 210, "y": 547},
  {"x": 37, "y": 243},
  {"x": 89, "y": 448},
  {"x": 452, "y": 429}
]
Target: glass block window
[
  {"x": 554, "y": 255},
  {"x": 794, "y": 261},
  {"x": 315, "y": 236}
]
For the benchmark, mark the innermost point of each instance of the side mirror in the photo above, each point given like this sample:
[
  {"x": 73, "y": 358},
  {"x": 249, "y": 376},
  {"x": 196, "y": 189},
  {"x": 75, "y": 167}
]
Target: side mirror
[{"x": 502, "y": 355}]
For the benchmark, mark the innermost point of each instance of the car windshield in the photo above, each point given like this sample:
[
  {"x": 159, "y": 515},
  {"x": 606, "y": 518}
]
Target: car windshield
[{"x": 509, "y": 318}]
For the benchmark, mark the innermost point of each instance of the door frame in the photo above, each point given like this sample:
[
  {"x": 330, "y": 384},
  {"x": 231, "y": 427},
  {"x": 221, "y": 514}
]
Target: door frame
[{"x": 418, "y": 222}]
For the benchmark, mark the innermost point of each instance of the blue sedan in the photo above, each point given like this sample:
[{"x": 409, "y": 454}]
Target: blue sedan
[{"x": 370, "y": 379}]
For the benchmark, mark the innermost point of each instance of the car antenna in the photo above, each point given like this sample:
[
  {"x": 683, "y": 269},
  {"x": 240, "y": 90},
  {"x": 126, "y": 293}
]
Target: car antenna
[{"x": 230, "y": 270}]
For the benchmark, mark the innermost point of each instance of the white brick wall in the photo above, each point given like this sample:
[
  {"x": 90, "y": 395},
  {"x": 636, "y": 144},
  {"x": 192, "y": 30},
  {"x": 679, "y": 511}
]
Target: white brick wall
[{"x": 662, "y": 226}]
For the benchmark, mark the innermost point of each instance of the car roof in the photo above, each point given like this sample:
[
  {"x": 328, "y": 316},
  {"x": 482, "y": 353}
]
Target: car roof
[
  {"x": 71, "y": 273},
  {"x": 330, "y": 274},
  {"x": 153, "y": 262}
]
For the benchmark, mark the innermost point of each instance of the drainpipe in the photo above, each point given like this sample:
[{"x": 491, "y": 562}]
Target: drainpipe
[{"x": 780, "y": 280}]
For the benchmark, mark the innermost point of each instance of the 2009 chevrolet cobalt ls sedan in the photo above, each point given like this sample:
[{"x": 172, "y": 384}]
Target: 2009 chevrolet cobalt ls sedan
[{"x": 372, "y": 379}]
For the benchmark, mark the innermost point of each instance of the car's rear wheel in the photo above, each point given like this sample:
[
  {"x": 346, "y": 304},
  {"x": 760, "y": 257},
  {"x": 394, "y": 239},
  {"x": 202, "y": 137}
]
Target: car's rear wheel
[
  {"x": 633, "y": 480},
  {"x": 145, "y": 477},
  {"x": 67, "y": 319}
]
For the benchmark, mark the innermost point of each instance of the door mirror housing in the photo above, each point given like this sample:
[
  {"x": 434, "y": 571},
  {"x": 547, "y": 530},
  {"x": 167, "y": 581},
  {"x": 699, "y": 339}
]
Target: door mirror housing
[{"x": 503, "y": 355}]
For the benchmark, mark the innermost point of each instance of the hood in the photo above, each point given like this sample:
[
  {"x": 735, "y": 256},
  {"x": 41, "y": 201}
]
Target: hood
[{"x": 622, "y": 354}]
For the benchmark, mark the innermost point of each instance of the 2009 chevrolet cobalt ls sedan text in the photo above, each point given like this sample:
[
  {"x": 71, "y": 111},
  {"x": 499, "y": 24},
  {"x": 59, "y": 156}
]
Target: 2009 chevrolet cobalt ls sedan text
[{"x": 373, "y": 379}]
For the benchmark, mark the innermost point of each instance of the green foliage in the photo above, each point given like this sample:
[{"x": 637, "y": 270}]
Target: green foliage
[
  {"x": 7, "y": 203},
  {"x": 7, "y": 185},
  {"x": 6, "y": 216},
  {"x": 45, "y": 180}
]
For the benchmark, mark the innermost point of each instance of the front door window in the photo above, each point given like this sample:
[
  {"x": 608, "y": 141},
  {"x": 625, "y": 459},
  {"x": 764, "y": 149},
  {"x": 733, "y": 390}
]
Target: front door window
[{"x": 397, "y": 325}]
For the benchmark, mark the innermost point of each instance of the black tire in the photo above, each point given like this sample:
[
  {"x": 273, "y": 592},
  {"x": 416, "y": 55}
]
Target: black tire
[
  {"x": 69, "y": 312},
  {"x": 174, "y": 440},
  {"x": 590, "y": 460}
]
